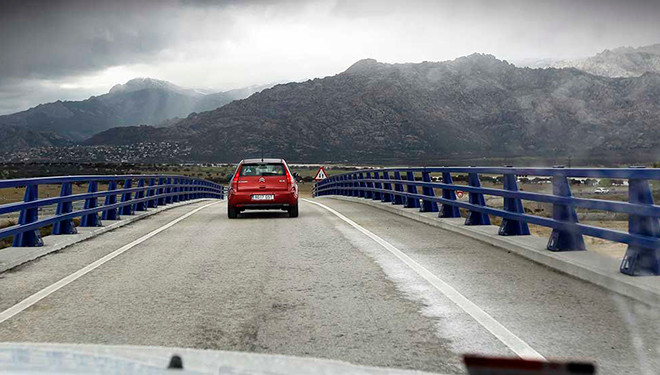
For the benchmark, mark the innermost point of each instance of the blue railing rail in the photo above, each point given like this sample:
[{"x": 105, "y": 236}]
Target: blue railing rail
[
  {"x": 643, "y": 237},
  {"x": 150, "y": 191}
]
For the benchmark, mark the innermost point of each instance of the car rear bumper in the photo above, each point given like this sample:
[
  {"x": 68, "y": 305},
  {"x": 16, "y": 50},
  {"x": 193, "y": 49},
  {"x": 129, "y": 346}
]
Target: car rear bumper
[{"x": 243, "y": 200}]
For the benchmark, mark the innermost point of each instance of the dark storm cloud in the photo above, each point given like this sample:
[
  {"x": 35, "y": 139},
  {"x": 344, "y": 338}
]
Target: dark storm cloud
[
  {"x": 45, "y": 39},
  {"x": 49, "y": 39}
]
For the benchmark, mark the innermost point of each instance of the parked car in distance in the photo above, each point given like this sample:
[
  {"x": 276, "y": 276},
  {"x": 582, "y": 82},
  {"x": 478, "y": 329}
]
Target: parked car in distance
[
  {"x": 262, "y": 184},
  {"x": 601, "y": 190}
]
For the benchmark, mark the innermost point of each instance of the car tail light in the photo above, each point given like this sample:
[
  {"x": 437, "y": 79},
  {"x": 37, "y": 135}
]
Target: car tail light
[
  {"x": 288, "y": 176},
  {"x": 234, "y": 183}
]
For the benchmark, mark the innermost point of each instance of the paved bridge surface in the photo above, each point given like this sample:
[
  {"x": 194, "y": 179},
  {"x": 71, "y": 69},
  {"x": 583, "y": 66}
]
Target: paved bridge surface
[{"x": 358, "y": 284}]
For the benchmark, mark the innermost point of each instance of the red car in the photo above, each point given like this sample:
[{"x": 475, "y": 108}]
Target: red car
[{"x": 262, "y": 184}]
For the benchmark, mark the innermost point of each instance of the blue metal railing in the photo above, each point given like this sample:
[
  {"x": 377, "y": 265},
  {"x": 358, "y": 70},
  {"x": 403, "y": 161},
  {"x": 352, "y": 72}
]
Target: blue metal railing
[
  {"x": 150, "y": 191},
  {"x": 643, "y": 237}
]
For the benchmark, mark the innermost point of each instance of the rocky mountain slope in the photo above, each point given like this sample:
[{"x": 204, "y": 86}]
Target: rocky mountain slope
[
  {"x": 139, "y": 101},
  {"x": 474, "y": 106},
  {"x": 619, "y": 62},
  {"x": 18, "y": 138}
]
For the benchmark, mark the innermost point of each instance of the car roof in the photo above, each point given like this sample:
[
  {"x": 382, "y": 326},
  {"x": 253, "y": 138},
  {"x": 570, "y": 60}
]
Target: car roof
[{"x": 260, "y": 160}]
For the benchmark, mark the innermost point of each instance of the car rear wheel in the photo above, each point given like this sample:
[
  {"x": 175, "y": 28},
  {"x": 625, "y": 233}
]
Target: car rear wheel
[
  {"x": 232, "y": 212},
  {"x": 293, "y": 211}
]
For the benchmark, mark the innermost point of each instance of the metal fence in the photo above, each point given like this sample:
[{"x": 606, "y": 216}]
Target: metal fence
[
  {"x": 120, "y": 198},
  {"x": 400, "y": 186}
]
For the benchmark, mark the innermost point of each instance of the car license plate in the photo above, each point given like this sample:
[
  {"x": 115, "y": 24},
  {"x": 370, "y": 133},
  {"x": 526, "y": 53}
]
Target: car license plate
[{"x": 263, "y": 197}]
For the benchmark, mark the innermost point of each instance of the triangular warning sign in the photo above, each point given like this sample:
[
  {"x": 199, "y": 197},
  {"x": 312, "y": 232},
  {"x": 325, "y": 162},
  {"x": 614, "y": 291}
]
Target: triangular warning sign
[{"x": 320, "y": 175}]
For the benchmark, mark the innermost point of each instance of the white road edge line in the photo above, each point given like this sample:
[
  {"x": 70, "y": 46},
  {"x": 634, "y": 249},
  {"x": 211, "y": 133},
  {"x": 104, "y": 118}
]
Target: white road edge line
[
  {"x": 45, "y": 292},
  {"x": 508, "y": 338}
]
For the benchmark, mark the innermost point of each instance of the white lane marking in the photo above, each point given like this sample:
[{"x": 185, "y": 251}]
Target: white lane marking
[
  {"x": 45, "y": 292},
  {"x": 515, "y": 343}
]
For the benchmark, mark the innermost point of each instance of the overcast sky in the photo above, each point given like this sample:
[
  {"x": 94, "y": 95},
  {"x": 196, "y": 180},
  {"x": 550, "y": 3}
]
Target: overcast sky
[{"x": 72, "y": 49}]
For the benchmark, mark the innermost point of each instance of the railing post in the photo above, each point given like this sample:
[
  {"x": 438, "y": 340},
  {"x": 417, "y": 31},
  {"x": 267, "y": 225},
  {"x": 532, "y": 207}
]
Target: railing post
[
  {"x": 111, "y": 213},
  {"x": 476, "y": 217},
  {"x": 447, "y": 210},
  {"x": 30, "y": 238},
  {"x": 127, "y": 197},
  {"x": 564, "y": 240},
  {"x": 396, "y": 198},
  {"x": 387, "y": 195},
  {"x": 182, "y": 189},
  {"x": 361, "y": 184},
  {"x": 641, "y": 261},
  {"x": 349, "y": 184},
  {"x": 368, "y": 194},
  {"x": 91, "y": 220},
  {"x": 159, "y": 191},
  {"x": 377, "y": 185},
  {"x": 168, "y": 189},
  {"x": 140, "y": 206},
  {"x": 427, "y": 205},
  {"x": 412, "y": 189},
  {"x": 512, "y": 227},
  {"x": 193, "y": 189},
  {"x": 152, "y": 203},
  {"x": 175, "y": 189},
  {"x": 64, "y": 226}
]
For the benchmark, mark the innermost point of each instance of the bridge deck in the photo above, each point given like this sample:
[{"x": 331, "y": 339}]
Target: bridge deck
[{"x": 316, "y": 286}]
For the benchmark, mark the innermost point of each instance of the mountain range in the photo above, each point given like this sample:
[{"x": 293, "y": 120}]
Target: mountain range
[
  {"x": 139, "y": 101},
  {"x": 474, "y": 106}
]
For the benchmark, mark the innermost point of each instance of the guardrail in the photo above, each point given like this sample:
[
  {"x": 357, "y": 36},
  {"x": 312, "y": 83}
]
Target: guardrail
[
  {"x": 643, "y": 253},
  {"x": 150, "y": 191}
]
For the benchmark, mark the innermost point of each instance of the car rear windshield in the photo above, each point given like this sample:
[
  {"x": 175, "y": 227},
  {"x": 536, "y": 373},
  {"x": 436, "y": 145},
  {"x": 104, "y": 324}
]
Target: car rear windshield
[{"x": 262, "y": 169}]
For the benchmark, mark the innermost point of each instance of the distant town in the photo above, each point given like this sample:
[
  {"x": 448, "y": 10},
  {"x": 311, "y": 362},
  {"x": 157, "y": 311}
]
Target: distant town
[{"x": 146, "y": 152}]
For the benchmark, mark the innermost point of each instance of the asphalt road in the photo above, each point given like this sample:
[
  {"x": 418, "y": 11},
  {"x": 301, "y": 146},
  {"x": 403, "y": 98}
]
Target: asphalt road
[{"x": 316, "y": 286}]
